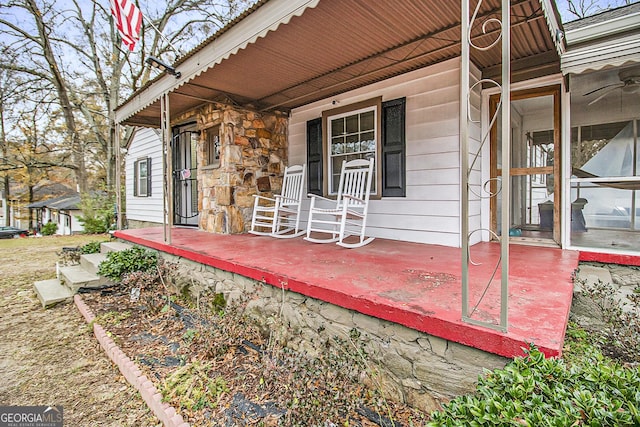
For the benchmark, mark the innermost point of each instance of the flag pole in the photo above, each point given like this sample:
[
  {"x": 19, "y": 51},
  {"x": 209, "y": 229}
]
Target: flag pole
[{"x": 178, "y": 51}]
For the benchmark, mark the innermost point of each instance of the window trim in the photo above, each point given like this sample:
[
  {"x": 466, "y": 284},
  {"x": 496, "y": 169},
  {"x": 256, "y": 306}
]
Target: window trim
[
  {"x": 345, "y": 110},
  {"x": 136, "y": 177},
  {"x": 205, "y": 147}
]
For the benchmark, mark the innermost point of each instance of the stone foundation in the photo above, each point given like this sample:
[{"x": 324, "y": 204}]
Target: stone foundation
[
  {"x": 413, "y": 367},
  {"x": 134, "y": 223}
]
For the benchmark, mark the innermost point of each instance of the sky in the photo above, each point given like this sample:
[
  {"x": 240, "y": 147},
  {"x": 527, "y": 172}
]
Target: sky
[{"x": 595, "y": 7}]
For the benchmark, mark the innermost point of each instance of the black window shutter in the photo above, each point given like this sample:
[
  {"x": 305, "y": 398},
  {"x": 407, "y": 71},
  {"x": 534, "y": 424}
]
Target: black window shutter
[
  {"x": 136, "y": 171},
  {"x": 394, "y": 176},
  {"x": 148, "y": 176},
  {"x": 314, "y": 156}
]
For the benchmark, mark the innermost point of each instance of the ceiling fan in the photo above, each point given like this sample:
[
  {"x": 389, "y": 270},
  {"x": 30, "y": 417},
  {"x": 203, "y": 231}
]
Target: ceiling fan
[{"x": 629, "y": 82}]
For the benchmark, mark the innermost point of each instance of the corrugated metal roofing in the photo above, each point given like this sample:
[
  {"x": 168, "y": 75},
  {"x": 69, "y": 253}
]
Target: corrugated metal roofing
[{"x": 339, "y": 45}]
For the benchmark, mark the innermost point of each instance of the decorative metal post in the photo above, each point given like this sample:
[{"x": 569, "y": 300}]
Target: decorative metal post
[
  {"x": 167, "y": 197},
  {"x": 503, "y": 183},
  {"x": 118, "y": 177}
]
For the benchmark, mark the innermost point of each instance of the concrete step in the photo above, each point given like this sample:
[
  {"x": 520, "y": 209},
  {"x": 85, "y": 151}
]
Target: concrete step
[
  {"x": 51, "y": 292},
  {"x": 76, "y": 277},
  {"x": 91, "y": 262},
  {"x": 114, "y": 247}
]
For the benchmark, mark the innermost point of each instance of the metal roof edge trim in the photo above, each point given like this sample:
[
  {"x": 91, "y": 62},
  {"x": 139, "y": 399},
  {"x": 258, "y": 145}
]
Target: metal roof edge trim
[
  {"x": 554, "y": 24},
  {"x": 274, "y": 13},
  {"x": 603, "y": 29},
  {"x": 601, "y": 65}
]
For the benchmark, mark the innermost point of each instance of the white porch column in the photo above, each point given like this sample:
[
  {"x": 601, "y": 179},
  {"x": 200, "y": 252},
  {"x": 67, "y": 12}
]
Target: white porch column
[
  {"x": 467, "y": 25},
  {"x": 167, "y": 166}
]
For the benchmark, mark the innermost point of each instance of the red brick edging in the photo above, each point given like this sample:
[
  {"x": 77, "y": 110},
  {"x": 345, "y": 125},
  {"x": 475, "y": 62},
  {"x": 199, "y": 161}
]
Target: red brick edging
[{"x": 166, "y": 413}]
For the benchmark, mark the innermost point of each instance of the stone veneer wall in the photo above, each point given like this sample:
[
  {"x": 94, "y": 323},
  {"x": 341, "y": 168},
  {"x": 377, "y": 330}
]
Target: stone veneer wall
[
  {"x": 413, "y": 367},
  {"x": 253, "y": 155}
]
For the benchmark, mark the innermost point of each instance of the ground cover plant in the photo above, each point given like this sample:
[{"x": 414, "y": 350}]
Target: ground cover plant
[
  {"x": 589, "y": 390},
  {"x": 219, "y": 367},
  {"x": 134, "y": 260}
]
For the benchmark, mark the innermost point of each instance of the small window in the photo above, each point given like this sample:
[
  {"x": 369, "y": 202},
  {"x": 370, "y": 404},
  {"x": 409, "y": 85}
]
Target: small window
[
  {"x": 142, "y": 178},
  {"x": 212, "y": 146}
]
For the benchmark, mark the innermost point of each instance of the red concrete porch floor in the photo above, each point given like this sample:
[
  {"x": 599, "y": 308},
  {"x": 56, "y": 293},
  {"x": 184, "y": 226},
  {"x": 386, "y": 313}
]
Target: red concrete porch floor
[{"x": 411, "y": 284}]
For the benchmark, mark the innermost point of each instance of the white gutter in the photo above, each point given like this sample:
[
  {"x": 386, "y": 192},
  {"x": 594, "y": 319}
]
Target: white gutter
[
  {"x": 603, "y": 29},
  {"x": 254, "y": 26}
]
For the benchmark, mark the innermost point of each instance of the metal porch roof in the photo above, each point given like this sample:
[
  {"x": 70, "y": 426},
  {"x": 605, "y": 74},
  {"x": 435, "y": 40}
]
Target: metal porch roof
[{"x": 287, "y": 53}]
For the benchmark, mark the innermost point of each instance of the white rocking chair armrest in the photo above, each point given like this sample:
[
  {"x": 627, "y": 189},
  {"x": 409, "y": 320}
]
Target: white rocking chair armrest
[
  {"x": 348, "y": 196},
  {"x": 286, "y": 199},
  {"x": 264, "y": 198},
  {"x": 315, "y": 196}
]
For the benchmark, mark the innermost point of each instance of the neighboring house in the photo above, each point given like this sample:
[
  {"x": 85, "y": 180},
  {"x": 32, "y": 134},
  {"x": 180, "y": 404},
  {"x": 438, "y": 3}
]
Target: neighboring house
[
  {"x": 320, "y": 81},
  {"x": 62, "y": 211},
  {"x": 3, "y": 205},
  {"x": 22, "y": 212},
  {"x": 144, "y": 178}
]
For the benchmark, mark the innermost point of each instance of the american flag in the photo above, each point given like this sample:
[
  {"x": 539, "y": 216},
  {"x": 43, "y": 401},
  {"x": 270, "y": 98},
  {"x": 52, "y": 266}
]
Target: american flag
[{"x": 128, "y": 20}]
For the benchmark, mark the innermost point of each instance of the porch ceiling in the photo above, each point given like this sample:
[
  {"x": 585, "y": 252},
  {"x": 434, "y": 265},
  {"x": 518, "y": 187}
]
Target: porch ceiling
[{"x": 337, "y": 46}]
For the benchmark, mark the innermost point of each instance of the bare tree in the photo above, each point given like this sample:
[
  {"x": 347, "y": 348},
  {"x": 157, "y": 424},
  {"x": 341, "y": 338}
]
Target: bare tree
[
  {"x": 583, "y": 8},
  {"x": 45, "y": 64},
  {"x": 13, "y": 91},
  {"x": 74, "y": 48}
]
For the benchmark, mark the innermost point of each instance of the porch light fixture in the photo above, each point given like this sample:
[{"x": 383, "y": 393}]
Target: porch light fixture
[{"x": 162, "y": 66}]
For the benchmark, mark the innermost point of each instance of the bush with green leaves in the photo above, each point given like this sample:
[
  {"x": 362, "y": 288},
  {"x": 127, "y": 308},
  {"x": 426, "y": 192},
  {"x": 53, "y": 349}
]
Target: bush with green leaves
[
  {"x": 120, "y": 263},
  {"x": 49, "y": 229},
  {"x": 92, "y": 247},
  {"x": 97, "y": 212},
  {"x": 538, "y": 391}
]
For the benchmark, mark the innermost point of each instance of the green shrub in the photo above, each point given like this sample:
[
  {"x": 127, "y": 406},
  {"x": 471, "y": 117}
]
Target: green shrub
[
  {"x": 120, "y": 263},
  {"x": 97, "y": 212},
  {"x": 92, "y": 247},
  {"x": 538, "y": 391},
  {"x": 49, "y": 229}
]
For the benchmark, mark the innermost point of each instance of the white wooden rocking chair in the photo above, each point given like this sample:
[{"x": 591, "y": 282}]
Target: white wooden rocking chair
[
  {"x": 280, "y": 216},
  {"x": 347, "y": 214}
]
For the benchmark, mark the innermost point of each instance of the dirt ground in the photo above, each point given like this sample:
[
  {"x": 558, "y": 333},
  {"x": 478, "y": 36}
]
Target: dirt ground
[{"x": 49, "y": 357}]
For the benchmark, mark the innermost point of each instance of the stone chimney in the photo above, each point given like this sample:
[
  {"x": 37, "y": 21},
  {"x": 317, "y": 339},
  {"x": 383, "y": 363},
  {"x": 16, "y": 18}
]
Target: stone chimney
[{"x": 252, "y": 158}]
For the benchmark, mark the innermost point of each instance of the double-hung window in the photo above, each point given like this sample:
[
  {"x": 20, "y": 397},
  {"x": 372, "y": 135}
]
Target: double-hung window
[
  {"x": 368, "y": 129},
  {"x": 142, "y": 177},
  {"x": 352, "y": 136}
]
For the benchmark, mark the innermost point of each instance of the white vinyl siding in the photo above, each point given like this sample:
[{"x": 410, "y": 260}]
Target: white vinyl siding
[
  {"x": 146, "y": 143},
  {"x": 430, "y": 212}
]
